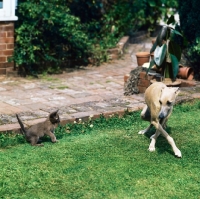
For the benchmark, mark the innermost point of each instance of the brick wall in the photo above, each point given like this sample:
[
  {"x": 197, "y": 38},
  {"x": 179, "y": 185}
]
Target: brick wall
[
  {"x": 144, "y": 81},
  {"x": 6, "y": 46}
]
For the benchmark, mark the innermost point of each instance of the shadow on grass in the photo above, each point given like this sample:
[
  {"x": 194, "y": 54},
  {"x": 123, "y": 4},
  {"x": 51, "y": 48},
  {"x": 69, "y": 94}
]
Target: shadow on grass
[{"x": 162, "y": 145}]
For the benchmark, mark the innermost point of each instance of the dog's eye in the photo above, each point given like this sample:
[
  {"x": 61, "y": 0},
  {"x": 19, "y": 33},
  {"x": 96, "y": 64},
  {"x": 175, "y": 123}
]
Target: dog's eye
[
  {"x": 160, "y": 102},
  {"x": 169, "y": 103}
]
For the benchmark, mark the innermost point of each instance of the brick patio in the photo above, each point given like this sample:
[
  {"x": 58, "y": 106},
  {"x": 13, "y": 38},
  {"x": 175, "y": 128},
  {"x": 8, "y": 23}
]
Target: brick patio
[{"x": 77, "y": 94}]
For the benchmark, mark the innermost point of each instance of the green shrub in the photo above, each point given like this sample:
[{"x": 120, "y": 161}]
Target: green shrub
[
  {"x": 189, "y": 20},
  {"x": 47, "y": 35},
  {"x": 155, "y": 10}
]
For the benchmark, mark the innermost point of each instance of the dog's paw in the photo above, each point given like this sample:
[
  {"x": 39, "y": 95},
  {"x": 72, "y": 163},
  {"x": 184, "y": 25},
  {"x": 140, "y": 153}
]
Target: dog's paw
[
  {"x": 151, "y": 148},
  {"x": 142, "y": 132},
  {"x": 178, "y": 154}
]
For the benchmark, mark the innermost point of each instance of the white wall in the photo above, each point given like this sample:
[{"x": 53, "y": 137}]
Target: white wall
[{"x": 7, "y": 13}]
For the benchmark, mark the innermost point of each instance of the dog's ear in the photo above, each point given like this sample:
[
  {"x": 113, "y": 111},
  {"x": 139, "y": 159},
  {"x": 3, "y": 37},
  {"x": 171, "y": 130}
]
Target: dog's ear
[
  {"x": 161, "y": 92},
  {"x": 162, "y": 88},
  {"x": 176, "y": 90}
]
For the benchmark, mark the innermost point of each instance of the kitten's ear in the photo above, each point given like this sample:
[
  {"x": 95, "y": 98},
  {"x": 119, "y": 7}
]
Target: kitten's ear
[
  {"x": 54, "y": 117},
  {"x": 54, "y": 113}
]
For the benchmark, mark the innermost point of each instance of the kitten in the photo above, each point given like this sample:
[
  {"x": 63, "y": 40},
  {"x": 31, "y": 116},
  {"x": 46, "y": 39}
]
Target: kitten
[{"x": 36, "y": 131}]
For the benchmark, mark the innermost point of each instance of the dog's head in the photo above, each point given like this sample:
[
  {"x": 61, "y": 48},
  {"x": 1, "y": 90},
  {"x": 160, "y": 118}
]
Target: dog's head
[{"x": 167, "y": 100}]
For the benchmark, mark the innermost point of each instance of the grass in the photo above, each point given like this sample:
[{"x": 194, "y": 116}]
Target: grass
[{"x": 106, "y": 158}]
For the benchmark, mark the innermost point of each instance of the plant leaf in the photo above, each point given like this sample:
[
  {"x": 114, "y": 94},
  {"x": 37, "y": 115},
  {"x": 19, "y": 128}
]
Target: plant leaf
[
  {"x": 175, "y": 65},
  {"x": 173, "y": 31},
  {"x": 152, "y": 3},
  {"x": 160, "y": 54},
  {"x": 175, "y": 50},
  {"x": 154, "y": 46},
  {"x": 151, "y": 64},
  {"x": 162, "y": 36},
  {"x": 171, "y": 20}
]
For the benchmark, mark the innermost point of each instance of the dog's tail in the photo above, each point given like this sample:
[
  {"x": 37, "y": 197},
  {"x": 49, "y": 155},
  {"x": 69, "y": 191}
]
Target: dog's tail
[{"x": 21, "y": 125}]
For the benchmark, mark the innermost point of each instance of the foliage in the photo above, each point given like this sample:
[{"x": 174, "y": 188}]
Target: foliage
[
  {"x": 189, "y": 22},
  {"x": 107, "y": 160},
  {"x": 155, "y": 10},
  {"x": 47, "y": 35},
  {"x": 10, "y": 139},
  {"x": 167, "y": 52}
]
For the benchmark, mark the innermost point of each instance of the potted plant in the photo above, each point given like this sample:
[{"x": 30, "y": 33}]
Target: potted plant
[{"x": 167, "y": 51}]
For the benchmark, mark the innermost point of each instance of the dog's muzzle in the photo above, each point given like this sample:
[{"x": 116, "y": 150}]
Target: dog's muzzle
[
  {"x": 163, "y": 112},
  {"x": 162, "y": 115}
]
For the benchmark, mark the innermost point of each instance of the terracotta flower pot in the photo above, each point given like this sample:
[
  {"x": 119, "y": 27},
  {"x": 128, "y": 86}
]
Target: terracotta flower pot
[
  {"x": 185, "y": 72},
  {"x": 142, "y": 57}
]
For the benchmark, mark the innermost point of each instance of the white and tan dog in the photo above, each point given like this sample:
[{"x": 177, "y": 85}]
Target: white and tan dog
[{"x": 159, "y": 104}]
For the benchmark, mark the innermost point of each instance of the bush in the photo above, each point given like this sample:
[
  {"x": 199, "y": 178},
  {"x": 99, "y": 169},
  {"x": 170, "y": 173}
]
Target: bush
[
  {"x": 189, "y": 20},
  {"x": 155, "y": 10},
  {"x": 49, "y": 33}
]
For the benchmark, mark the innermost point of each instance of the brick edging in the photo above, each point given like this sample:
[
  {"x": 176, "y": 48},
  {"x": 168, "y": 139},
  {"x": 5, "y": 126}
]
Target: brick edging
[{"x": 15, "y": 128}]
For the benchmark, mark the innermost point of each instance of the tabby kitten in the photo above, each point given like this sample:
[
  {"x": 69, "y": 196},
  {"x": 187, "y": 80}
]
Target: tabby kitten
[{"x": 37, "y": 131}]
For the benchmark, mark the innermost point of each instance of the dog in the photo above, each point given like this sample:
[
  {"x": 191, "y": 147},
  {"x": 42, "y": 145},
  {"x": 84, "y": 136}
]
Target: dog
[
  {"x": 35, "y": 132},
  {"x": 159, "y": 105}
]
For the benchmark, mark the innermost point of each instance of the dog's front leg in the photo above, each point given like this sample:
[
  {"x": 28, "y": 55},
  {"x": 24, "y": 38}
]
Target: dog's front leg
[
  {"x": 153, "y": 141},
  {"x": 170, "y": 140}
]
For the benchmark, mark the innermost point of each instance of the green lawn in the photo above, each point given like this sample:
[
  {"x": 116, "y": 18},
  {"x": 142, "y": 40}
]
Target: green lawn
[{"x": 106, "y": 158}]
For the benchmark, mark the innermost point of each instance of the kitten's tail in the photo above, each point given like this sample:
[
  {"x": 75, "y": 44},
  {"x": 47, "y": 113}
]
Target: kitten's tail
[{"x": 21, "y": 125}]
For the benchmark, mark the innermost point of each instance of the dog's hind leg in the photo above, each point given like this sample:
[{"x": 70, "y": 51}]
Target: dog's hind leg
[
  {"x": 145, "y": 130},
  {"x": 145, "y": 115}
]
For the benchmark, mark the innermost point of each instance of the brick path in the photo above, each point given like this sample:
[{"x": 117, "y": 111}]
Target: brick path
[{"x": 77, "y": 94}]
